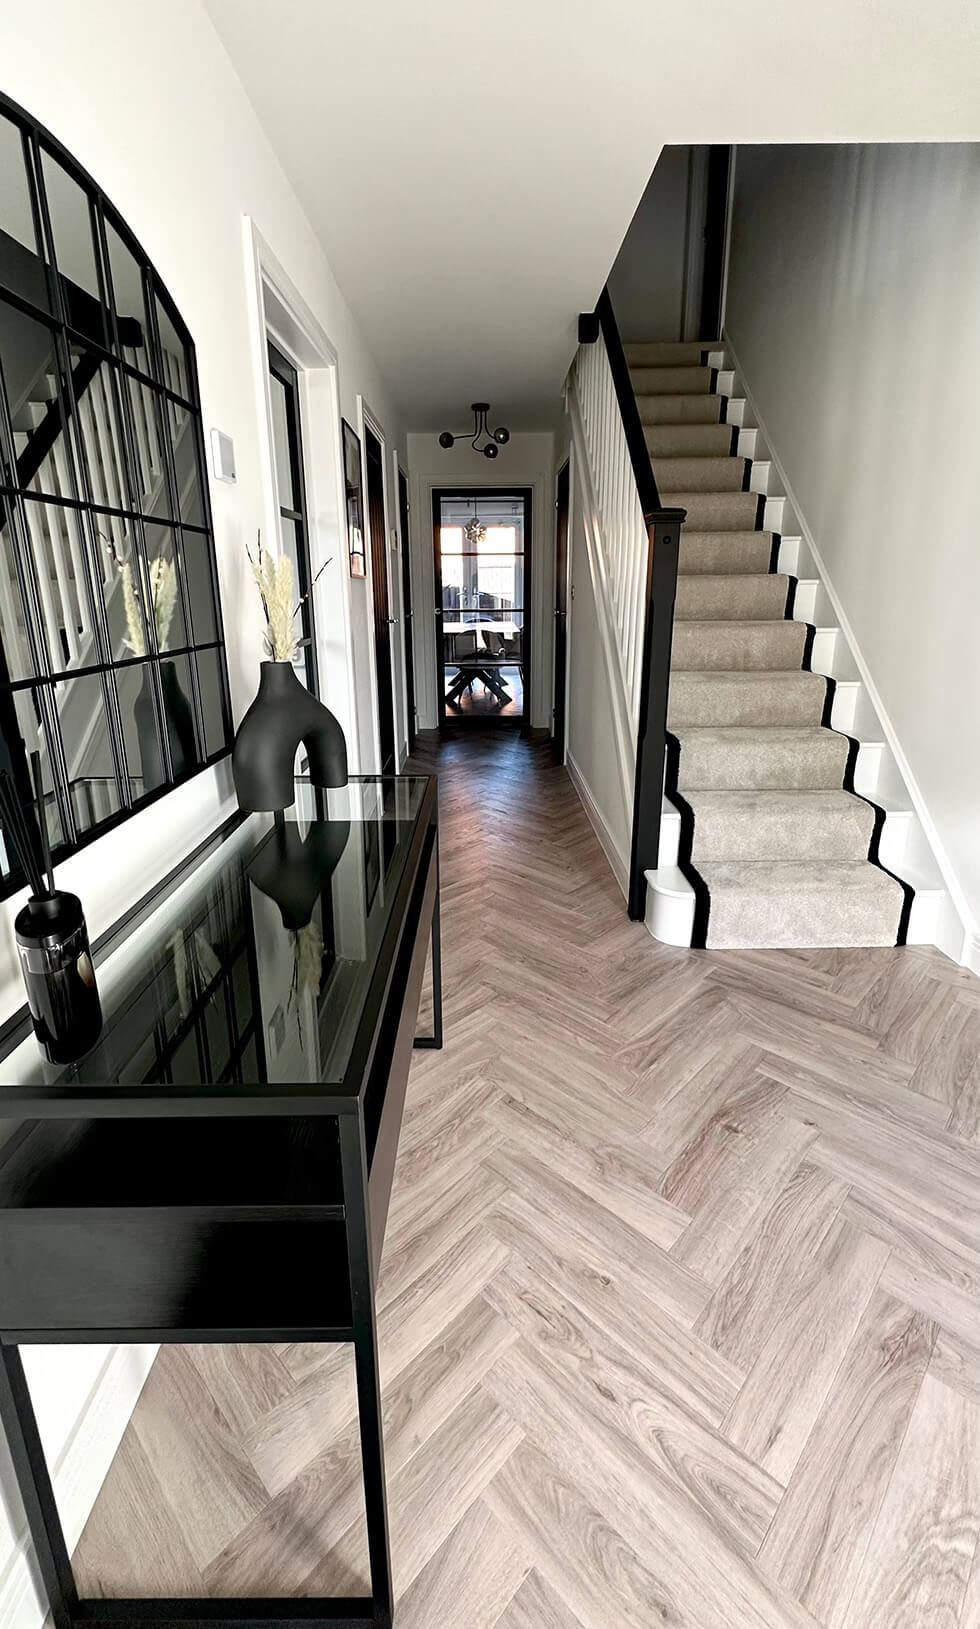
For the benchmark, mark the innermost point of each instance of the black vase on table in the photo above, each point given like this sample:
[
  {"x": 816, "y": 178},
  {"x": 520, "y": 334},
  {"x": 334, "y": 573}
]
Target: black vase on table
[{"x": 282, "y": 716}]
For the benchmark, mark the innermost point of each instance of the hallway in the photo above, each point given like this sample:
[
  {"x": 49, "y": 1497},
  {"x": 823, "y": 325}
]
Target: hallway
[{"x": 679, "y": 1299}]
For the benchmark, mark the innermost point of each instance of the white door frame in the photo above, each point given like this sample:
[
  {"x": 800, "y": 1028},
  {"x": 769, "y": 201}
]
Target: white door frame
[{"x": 277, "y": 309}]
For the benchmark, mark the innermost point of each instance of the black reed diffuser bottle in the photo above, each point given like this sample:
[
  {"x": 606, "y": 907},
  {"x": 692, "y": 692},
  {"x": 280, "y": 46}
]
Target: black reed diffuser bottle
[{"x": 52, "y": 940}]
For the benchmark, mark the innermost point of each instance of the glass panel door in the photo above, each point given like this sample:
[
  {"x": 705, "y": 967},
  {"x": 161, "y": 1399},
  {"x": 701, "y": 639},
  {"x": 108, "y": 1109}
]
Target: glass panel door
[{"x": 482, "y": 558}]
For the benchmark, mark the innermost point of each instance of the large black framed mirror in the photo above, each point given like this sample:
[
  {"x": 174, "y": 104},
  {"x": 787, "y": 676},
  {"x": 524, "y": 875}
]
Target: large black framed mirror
[{"x": 112, "y": 660}]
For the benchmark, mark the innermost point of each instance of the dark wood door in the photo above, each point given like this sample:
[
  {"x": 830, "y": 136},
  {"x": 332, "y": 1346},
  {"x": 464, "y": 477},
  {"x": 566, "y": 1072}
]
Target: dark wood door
[
  {"x": 561, "y": 608},
  {"x": 407, "y": 612},
  {"x": 379, "y": 580}
]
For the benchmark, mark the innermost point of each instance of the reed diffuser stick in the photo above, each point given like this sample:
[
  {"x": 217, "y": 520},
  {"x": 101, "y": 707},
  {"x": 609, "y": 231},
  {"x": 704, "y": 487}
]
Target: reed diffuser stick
[
  {"x": 42, "y": 821},
  {"x": 16, "y": 828}
]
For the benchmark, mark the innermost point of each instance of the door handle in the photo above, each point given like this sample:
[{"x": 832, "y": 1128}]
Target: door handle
[{"x": 391, "y": 621}]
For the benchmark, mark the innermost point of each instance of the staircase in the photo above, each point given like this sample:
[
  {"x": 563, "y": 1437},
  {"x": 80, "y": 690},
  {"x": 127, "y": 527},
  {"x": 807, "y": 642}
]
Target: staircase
[{"x": 772, "y": 838}]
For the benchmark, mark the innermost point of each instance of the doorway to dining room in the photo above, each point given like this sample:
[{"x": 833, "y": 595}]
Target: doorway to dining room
[{"x": 482, "y": 547}]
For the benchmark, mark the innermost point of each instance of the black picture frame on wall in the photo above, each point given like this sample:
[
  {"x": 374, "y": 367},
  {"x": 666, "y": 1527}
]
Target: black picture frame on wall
[{"x": 354, "y": 500}]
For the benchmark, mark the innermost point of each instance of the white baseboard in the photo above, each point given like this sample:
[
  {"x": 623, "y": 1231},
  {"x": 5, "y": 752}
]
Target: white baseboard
[
  {"x": 618, "y": 862},
  {"x": 78, "y": 1474},
  {"x": 970, "y": 930}
]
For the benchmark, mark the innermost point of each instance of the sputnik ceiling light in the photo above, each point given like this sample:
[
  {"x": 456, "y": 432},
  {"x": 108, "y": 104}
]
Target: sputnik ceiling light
[{"x": 495, "y": 439}]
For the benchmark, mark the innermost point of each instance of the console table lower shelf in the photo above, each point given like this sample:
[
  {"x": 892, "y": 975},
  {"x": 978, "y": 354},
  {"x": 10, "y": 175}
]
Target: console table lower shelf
[{"x": 267, "y": 1228}]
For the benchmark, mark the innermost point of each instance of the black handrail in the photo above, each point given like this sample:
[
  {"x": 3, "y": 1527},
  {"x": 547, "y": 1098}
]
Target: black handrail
[{"x": 663, "y": 546}]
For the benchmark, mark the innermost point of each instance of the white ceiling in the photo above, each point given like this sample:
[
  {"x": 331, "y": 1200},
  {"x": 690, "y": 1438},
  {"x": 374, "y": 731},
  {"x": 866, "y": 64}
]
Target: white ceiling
[{"x": 471, "y": 166}]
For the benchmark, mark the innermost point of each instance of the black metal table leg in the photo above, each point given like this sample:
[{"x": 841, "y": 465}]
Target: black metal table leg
[
  {"x": 433, "y": 1042},
  {"x": 34, "y": 1482},
  {"x": 355, "y": 1179}
]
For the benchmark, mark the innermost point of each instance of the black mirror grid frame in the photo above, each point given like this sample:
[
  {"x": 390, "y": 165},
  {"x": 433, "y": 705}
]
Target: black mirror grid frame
[{"x": 88, "y": 335}]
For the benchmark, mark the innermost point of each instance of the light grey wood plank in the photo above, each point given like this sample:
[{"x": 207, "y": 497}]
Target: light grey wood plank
[
  {"x": 953, "y": 1309},
  {"x": 740, "y": 1500},
  {"x": 683, "y": 1115},
  {"x": 471, "y": 1579},
  {"x": 699, "y": 1378},
  {"x": 132, "y": 1543},
  {"x": 750, "y": 1300},
  {"x": 211, "y": 1484},
  {"x": 536, "y": 1606},
  {"x": 912, "y": 1235},
  {"x": 730, "y": 1178},
  {"x": 245, "y": 1380},
  {"x": 787, "y": 1386},
  {"x": 876, "y": 1088},
  {"x": 652, "y": 1556},
  {"x": 567, "y": 1219},
  {"x": 957, "y": 1363},
  {"x": 821, "y": 1531},
  {"x": 429, "y": 1495},
  {"x": 282, "y": 1545},
  {"x": 618, "y": 1175},
  {"x": 921, "y": 1551},
  {"x": 293, "y": 1434}
]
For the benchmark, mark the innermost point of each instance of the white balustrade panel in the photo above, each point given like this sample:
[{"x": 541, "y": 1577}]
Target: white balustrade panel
[{"x": 623, "y": 533}]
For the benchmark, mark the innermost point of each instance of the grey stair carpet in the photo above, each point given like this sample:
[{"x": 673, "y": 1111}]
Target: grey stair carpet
[
  {"x": 711, "y": 597},
  {"x": 671, "y": 381},
  {"x": 701, "y": 474},
  {"x": 714, "y": 511},
  {"x": 669, "y": 353},
  {"x": 798, "y": 903},
  {"x": 757, "y": 757},
  {"x": 774, "y": 825},
  {"x": 724, "y": 553},
  {"x": 689, "y": 440},
  {"x": 776, "y": 846},
  {"x": 680, "y": 409},
  {"x": 711, "y": 646},
  {"x": 759, "y": 698}
]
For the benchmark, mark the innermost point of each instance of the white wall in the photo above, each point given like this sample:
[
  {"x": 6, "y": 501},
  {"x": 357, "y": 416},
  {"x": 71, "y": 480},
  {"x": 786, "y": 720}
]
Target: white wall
[
  {"x": 854, "y": 313},
  {"x": 654, "y": 294},
  {"x": 527, "y": 460},
  {"x": 146, "y": 99}
]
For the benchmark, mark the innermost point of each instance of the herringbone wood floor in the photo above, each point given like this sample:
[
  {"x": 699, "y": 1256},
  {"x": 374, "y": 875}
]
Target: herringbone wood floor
[{"x": 679, "y": 1306}]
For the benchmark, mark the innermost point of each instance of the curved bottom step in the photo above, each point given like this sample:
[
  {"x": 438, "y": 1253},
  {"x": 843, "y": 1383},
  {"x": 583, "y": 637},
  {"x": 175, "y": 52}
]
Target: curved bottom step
[{"x": 671, "y": 909}]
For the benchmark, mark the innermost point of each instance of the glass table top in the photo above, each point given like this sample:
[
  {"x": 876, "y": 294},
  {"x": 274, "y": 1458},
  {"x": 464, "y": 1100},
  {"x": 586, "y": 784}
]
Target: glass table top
[{"x": 257, "y": 964}]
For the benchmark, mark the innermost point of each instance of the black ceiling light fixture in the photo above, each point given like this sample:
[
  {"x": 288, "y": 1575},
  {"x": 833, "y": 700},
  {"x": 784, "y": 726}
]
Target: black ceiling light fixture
[{"x": 495, "y": 439}]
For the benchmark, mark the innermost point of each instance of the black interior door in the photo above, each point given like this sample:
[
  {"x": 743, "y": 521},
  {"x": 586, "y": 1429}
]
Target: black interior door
[
  {"x": 382, "y": 615},
  {"x": 407, "y": 612},
  {"x": 715, "y": 233},
  {"x": 561, "y": 609}
]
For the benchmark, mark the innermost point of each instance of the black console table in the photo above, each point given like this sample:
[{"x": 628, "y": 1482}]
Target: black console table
[{"x": 219, "y": 1167}]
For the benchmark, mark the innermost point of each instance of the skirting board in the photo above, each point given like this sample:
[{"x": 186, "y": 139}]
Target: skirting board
[
  {"x": 970, "y": 946},
  {"x": 78, "y": 1474},
  {"x": 618, "y": 864}
]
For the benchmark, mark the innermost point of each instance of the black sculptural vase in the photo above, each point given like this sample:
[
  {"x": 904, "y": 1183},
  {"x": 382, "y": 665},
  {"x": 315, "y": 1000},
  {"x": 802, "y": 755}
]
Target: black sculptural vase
[{"x": 283, "y": 715}]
